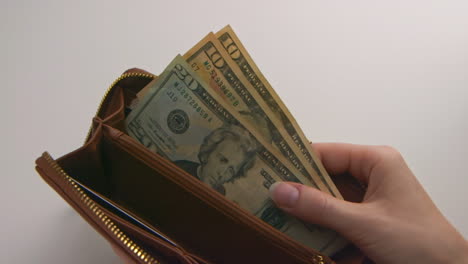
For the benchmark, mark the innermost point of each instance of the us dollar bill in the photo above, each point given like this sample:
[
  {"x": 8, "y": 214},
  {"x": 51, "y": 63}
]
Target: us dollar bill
[
  {"x": 278, "y": 109},
  {"x": 183, "y": 120},
  {"x": 212, "y": 63}
]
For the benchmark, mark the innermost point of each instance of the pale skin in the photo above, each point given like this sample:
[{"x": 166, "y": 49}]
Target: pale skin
[{"x": 396, "y": 223}]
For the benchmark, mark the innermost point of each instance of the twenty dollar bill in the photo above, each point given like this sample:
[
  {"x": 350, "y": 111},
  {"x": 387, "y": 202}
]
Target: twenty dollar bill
[{"x": 182, "y": 119}]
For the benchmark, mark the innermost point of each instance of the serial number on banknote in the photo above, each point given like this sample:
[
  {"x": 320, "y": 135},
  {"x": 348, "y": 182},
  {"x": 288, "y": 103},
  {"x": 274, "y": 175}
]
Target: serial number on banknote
[
  {"x": 224, "y": 89},
  {"x": 191, "y": 102}
]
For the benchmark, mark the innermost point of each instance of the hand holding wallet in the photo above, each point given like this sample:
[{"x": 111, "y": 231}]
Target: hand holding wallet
[{"x": 204, "y": 226}]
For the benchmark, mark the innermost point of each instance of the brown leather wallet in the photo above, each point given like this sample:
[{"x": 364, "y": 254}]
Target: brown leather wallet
[{"x": 168, "y": 216}]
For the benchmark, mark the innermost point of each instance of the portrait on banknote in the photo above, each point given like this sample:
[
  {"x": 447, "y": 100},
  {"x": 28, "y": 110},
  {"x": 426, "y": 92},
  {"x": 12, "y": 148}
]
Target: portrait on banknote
[{"x": 225, "y": 155}]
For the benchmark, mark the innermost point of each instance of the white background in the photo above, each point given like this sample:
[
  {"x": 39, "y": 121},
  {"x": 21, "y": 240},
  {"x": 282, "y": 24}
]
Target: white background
[{"x": 367, "y": 72}]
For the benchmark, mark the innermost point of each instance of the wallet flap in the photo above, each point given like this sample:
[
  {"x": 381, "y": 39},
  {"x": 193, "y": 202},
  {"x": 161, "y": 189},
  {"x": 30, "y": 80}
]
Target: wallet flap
[
  {"x": 121, "y": 238},
  {"x": 92, "y": 213},
  {"x": 191, "y": 213}
]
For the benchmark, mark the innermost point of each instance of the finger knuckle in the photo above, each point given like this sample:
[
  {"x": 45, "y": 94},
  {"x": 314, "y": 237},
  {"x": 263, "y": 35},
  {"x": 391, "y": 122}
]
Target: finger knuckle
[{"x": 390, "y": 152}]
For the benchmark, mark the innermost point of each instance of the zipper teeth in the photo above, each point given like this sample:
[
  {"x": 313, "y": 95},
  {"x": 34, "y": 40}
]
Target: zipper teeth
[
  {"x": 318, "y": 259},
  {"x": 121, "y": 77},
  {"x": 108, "y": 223}
]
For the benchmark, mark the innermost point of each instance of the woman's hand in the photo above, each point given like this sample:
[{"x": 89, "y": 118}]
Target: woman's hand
[{"x": 397, "y": 222}]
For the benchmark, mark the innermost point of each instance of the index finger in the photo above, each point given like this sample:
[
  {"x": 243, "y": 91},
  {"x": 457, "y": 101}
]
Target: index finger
[{"x": 339, "y": 158}]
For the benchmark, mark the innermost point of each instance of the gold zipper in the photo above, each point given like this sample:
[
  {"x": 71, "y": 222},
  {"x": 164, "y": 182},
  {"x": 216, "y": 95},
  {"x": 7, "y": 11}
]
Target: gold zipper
[
  {"x": 108, "y": 223},
  {"x": 123, "y": 76},
  {"x": 318, "y": 259}
]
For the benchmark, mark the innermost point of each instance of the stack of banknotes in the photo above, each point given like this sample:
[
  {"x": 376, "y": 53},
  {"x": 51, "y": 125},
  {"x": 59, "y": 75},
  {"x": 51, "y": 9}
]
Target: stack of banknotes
[{"x": 213, "y": 113}]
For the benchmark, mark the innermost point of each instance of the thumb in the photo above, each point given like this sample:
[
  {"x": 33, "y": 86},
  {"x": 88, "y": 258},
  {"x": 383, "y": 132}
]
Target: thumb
[{"x": 314, "y": 206}]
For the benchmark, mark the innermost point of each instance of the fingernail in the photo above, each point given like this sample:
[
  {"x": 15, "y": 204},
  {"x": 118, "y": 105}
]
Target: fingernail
[{"x": 284, "y": 194}]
